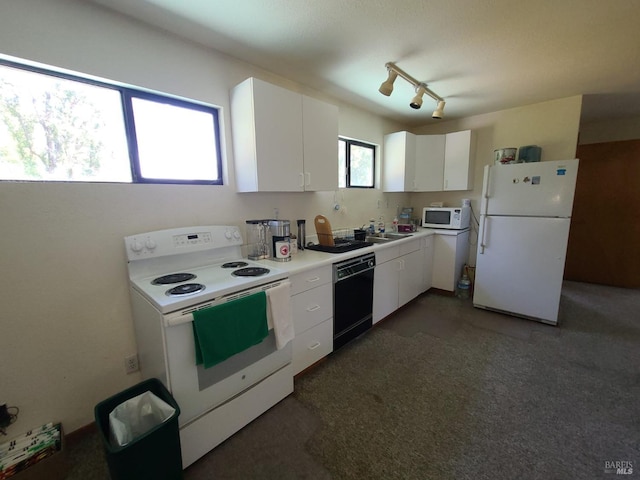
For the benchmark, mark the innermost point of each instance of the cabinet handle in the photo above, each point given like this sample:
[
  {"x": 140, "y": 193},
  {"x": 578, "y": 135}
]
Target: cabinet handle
[
  {"x": 308, "y": 175},
  {"x": 313, "y": 308},
  {"x": 314, "y": 346},
  {"x": 301, "y": 179},
  {"x": 313, "y": 279}
]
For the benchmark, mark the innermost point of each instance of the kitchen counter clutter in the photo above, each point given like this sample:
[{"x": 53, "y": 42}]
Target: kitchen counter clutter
[{"x": 308, "y": 259}]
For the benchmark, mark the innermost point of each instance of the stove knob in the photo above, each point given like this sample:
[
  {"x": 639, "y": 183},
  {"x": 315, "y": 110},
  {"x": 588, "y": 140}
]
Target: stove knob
[
  {"x": 227, "y": 235},
  {"x": 136, "y": 246},
  {"x": 150, "y": 244},
  {"x": 236, "y": 234}
]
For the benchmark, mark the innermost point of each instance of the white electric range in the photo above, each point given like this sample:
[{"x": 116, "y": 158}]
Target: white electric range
[{"x": 174, "y": 272}]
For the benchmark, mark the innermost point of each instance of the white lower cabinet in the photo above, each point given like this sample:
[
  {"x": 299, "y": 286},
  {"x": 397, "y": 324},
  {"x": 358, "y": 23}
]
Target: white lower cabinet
[
  {"x": 450, "y": 253},
  {"x": 410, "y": 278},
  {"x": 427, "y": 262},
  {"x": 398, "y": 277},
  {"x": 385, "y": 289},
  {"x": 312, "y": 345},
  {"x": 312, "y": 311}
]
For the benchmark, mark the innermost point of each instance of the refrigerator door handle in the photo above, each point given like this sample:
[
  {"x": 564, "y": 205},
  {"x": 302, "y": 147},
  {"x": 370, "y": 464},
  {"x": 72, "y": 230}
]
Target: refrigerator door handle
[
  {"x": 485, "y": 190},
  {"x": 484, "y": 234}
]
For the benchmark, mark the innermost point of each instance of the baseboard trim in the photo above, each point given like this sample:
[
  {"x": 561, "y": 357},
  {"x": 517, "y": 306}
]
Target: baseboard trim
[{"x": 81, "y": 433}]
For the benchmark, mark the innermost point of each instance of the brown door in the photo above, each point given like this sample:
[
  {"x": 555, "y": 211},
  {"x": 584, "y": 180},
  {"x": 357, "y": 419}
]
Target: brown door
[{"x": 604, "y": 240}]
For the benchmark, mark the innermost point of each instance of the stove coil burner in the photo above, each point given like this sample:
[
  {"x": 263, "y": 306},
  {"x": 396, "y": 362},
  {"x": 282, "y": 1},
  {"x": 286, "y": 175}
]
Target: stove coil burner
[
  {"x": 185, "y": 289},
  {"x": 234, "y": 264},
  {"x": 250, "y": 272},
  {"x": 173, "y": 278}
]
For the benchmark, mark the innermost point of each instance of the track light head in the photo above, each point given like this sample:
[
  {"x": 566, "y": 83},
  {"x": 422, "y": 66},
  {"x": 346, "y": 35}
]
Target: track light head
[
  {"x": 416, "y": 102},
  {"x": 421, "y": 88},
  {"x": 439, "y": 111},
  {"x": 387, "y": 86}
]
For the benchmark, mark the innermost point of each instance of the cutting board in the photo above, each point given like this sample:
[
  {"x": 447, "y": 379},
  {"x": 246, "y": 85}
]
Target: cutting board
[{"x": 323, "y": 230}]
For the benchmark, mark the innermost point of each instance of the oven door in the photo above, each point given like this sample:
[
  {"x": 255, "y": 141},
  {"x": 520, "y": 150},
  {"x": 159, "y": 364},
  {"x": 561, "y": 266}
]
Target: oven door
[{"x": 198, "y": 390}]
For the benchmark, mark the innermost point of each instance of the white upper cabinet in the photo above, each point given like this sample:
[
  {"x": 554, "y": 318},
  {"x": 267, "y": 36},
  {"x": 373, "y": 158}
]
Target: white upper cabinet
[
  {"x": 458, "y": 161},
  {"x": 282, "y": 141},
  {"x": 320, "y": 143},
  {"x": 399, "y": 165},
  {"x": 428, "y": 163}
]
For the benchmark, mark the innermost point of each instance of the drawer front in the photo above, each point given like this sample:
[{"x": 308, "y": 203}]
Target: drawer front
[
  {"x": 409, "y": 247},
  {"x": 310, "y": 279},
  {"x": 384, "y": 254},
  {"x": 312, "y": 345},
  {"x": 312, "y": 307}
]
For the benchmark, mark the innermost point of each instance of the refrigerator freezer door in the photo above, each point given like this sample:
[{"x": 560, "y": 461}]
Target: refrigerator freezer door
[
  {"x": 543, "y": 189},
  {"x": 520, "y": 265}
]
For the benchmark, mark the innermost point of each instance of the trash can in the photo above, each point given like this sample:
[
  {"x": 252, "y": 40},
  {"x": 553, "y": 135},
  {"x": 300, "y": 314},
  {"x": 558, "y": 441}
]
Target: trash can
[{"x": 153, "y": 455}]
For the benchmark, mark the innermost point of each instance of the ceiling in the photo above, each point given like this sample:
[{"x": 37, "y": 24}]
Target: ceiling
[{"x": 480, "y": 56}]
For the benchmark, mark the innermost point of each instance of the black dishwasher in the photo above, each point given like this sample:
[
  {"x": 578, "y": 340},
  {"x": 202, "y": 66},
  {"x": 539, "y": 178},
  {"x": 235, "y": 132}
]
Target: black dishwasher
[{"x": 352, "y": 298}]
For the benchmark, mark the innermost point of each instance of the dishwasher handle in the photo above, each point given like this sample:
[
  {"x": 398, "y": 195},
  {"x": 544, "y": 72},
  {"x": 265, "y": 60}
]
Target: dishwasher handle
[{"x": 351, "y": 268}]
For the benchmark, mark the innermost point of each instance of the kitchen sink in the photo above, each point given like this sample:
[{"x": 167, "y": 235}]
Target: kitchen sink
[{"x": 386, "y": 237}]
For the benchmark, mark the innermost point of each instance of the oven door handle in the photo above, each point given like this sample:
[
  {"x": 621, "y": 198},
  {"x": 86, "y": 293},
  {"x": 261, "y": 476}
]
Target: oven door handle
[{"x": 178, "y": 320}]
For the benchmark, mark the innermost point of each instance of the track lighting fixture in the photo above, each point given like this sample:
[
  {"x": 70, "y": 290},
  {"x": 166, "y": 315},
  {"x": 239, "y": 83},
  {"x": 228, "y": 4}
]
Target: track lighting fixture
[
  {"x": 416, "y": 102},
  {"x": 421, "y": 88},
  {"x": 438, "y": 112},
  {"x": 387, "y": 86}
]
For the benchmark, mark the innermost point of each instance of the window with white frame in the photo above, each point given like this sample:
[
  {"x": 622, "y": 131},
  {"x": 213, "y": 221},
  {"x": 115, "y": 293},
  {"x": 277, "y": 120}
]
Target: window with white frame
[
  {"x": 356, "y": 164},
  {"x": 57, "y": 126}
]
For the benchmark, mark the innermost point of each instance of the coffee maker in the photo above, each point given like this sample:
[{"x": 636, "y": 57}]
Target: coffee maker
[{"x": 280, "y": 240}]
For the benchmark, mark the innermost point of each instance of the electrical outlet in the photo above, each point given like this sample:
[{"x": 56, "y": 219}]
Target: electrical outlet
[{"x": 131, "y": 363}]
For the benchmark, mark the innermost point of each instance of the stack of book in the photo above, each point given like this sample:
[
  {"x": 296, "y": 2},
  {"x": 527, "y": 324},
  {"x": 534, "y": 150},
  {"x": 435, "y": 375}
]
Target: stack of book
[{"x": 29, "y": 448}]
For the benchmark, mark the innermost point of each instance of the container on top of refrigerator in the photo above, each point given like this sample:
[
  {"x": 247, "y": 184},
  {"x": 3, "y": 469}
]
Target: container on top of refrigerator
[
  {"x": 505, "y": 156},
  {"x": 529, "y": 153}
]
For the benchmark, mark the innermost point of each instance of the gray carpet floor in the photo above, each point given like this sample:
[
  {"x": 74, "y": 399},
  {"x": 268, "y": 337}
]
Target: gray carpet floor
[{"x": 442, "y": 390}]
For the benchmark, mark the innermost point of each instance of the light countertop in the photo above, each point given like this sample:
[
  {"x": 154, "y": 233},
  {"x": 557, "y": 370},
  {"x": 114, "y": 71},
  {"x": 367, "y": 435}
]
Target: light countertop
[{"x": 308, "y": 259}]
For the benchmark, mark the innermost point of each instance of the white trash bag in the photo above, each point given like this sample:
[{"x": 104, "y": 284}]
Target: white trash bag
[{"x": 136, "y": 416}]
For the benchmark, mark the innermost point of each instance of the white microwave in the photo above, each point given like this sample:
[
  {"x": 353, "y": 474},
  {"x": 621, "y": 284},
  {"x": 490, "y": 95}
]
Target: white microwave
[{"x": 455, "y": 218}]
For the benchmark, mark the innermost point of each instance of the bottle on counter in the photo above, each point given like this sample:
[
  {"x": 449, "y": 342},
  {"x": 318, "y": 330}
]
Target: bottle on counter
[
  {"x": 372, "y": 226},
  {"x": 381, "y": 225},
  {"x": 302, "y": 235}
]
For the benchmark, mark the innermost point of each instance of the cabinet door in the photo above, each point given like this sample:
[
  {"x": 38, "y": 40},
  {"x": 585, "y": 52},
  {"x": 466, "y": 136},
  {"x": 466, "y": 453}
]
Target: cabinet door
[
  {"x": 427, "y": 262},
  {"x": 399, "y": 158},
  {"x": 462, "y": 255},
  {"x": 429, "y": 172},
  {"x": 444, "y": 258},
  {"x": 458, "y": 153},
  {"x": 410, "y": 278},
  {"x": 320, "y": 141},
  {"x": 266, "y": 123},
  {"x": 385, "y": 289}
]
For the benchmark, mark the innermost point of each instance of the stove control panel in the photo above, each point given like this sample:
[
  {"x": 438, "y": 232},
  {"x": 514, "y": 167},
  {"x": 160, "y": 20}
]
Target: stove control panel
[
  {"x": 201, "y": 238},
  {"x": 181, "y": 240}
]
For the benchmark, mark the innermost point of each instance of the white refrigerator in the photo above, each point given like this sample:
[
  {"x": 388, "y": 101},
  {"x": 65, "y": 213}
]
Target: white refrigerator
[{"x": 525, "y": 215}]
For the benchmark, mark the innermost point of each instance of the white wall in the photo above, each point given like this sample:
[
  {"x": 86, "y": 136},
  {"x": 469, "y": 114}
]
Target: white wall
[
  {"x": 66, "y": 323},
  {"x": 551, "y": 125}
]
